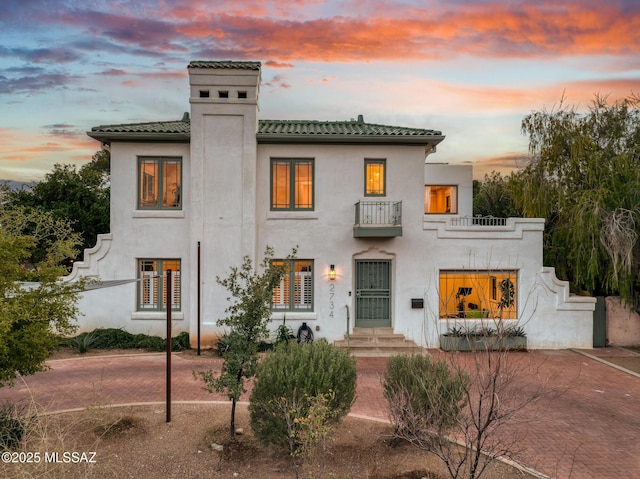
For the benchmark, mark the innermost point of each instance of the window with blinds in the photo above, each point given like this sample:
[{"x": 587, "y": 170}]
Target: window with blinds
[
  {"x": 295, "y": 291},
  {"x": 152, "y": 276}
]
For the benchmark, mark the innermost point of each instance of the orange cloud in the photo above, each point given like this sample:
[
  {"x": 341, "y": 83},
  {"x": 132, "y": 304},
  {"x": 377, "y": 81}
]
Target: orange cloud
[
  {"x": 28, "y": 156},
  {"x": 522, "y": 30},
  {"x": 505, "y": 164}
]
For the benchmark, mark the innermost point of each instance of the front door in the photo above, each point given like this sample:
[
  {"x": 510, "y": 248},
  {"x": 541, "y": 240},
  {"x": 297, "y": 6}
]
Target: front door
[{"x": 373, "y": 293}]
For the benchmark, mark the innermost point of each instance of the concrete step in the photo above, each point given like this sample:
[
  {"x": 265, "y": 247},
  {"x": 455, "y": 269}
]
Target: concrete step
[{"x": 381, "y": 342}]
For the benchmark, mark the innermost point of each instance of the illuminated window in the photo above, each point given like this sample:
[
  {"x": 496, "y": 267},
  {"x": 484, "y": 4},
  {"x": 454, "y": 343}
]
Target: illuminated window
[
  {"x": 478, "y": 294},
  {"x": 374, "y": 177},
  {"x": 291, "y": 184},
  {"x": 159, "y": 183},
  {"x": 295, "y": 291},
  {"x": 440, "y": 199},
  {"x": 152, "y": 276}
]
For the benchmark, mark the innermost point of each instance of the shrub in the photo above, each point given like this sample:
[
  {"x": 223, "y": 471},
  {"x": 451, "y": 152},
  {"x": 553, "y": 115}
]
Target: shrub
[
  {"x": 293, "y": 376},
  {"x": 13, "y": 426},
  {"x": 425, "y": 397},
  {"x": 116, "y": 338}
]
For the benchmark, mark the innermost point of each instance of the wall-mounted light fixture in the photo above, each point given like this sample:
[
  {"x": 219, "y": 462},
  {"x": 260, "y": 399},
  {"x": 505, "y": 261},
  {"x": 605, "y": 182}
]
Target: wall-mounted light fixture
[{"x": 332, "y": 272}]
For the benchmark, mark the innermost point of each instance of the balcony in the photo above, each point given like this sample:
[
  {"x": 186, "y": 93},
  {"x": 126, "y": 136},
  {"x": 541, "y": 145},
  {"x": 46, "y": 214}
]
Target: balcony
[{"x": 378, "y": 219}]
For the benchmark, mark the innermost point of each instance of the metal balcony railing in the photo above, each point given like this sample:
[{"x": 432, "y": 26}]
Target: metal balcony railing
[
  {"x": 478, "y": 221},
  {"x": 379, "y": 213}
]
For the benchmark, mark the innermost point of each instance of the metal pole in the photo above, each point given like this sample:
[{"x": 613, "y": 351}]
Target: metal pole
[
  {"x": 169, "y": 307},
  {"x": 348, "y": 345},
  {"x": 198, "y": 315}
]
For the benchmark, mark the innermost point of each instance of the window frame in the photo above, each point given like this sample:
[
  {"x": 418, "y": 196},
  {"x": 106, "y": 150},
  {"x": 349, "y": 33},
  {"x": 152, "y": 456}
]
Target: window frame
[
  {"x": 374, "y": 161},
  {"x": 290, "y": 278},
  {"x": 291, "y": 162},
  {"x": 485, "y": 293},
  {"x": 161, "y": 162},
  {"x": 455, "y": 200},
  {"x": 158, "y": 287}
]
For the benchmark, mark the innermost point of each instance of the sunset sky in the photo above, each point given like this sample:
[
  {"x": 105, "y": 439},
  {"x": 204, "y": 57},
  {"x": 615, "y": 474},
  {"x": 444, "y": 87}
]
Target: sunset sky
[{"x": 470, "y": 68}]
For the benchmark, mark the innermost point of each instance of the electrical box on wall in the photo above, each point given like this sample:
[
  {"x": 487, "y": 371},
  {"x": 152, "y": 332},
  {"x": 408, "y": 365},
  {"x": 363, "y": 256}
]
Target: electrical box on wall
[{"x": 417, "y": 303}]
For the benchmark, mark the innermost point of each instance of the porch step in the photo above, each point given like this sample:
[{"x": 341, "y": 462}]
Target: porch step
[{"x": 381, "y": 342}]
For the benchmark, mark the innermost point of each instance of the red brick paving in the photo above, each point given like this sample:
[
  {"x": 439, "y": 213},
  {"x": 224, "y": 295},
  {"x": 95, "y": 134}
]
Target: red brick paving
[{"x": 587, "y": 426}]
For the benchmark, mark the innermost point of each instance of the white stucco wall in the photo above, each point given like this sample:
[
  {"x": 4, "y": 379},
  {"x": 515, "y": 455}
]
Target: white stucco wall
[
  {"x": 135, "y": 234},
  {"x": 226, "y": 208},
  {"x": 326, "y": 234}
]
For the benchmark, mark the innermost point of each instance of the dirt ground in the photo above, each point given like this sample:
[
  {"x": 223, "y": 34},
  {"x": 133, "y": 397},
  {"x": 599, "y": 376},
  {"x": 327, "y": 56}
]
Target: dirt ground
[{"x": 137, "y": 442}]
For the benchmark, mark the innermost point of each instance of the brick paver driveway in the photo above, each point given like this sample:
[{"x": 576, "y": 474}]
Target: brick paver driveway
[{"x": 588, "y": 427}]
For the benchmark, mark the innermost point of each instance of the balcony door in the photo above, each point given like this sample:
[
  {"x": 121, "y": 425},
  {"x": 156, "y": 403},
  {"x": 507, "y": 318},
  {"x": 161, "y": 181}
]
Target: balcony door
[{"x": 373, "y": 293}]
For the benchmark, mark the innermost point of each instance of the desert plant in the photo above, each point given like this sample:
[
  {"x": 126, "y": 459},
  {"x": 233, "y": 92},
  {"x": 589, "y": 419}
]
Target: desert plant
[
  {"x": 13, "y": 426},
  {"x": 293, "y": 374},
  {"x": 514, "y": 332},
  {"x": 309, "y": 429},
  {"x": 284, "y": 333},
  {"x": 83, "y": 342},
  {"x": 424, "y": 395}
]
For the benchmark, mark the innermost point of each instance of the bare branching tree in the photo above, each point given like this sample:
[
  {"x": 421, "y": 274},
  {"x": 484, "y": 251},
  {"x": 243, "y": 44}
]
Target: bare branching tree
[
  {"x": 465, "y": 415},
  {"x": 494, "y": 397}
]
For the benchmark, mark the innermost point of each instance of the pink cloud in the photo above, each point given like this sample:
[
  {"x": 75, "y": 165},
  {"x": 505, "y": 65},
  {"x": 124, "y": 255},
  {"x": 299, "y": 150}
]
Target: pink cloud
[
  {"x": 22, "y": 146},
  {"x": 284, "y": 32},
  {"x": 273, "y": 64}
]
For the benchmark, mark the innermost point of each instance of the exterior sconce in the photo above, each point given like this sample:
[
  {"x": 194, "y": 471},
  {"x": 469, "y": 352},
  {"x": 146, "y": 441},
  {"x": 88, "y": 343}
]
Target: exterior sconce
[{"x": 332, "y": 272}]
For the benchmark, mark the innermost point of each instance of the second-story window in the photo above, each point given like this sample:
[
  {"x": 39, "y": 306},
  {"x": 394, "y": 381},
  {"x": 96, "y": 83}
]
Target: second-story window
[
  {"x": 159, "y": 182},
  {"x": 440, "y": 199},
  {"x": 375, "y": 177},
  {"x": 291, "y": 184}
]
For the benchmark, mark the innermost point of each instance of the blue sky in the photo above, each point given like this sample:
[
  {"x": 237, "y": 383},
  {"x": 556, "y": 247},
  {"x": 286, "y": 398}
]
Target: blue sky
[{"x": 470, "y": 68}]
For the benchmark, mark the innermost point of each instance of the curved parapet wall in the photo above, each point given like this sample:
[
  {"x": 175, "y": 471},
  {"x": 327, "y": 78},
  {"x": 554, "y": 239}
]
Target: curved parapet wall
[
  {"x": 565, "y": 301},
  {"x": 558, "y": 319},
  {"x": 89, "y": 266}
]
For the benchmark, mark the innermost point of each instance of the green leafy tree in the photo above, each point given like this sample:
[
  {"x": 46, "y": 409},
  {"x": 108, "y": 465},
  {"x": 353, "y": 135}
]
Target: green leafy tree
[
  {"x": 33, "y": 314},
  {"x": 246, "y": 322},
  {"x": 80, "y": 197},
  {"x": 493, "y": 197},
  {"x": 584, "y": 178},
  {"x": 51, "y": 240}
]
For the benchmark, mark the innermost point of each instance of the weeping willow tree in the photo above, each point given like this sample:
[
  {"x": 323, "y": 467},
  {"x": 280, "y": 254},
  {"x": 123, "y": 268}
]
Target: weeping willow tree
[{"x": 584, "y": 178}]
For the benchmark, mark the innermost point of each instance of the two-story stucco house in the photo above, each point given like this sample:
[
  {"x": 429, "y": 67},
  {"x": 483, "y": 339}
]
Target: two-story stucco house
[{"x": 385, "y": 238}]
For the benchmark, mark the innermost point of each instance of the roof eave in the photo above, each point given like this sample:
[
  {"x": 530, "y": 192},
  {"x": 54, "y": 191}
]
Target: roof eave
[
  {"x": 349, "y": 139},
  {"x": 142, "y": 136}
]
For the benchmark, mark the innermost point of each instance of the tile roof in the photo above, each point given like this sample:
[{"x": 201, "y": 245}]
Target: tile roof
[
  {"x": 353, "y": 127},
  {"x": 180, "y": 126},
  {"x": 278, "y": 131},
  {"x": 228, "y": 64},
  {"x": 155, "y": 131}
]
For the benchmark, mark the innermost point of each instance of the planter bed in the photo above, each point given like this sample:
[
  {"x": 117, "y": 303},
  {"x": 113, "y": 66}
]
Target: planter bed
[{"x": 481, "y": 343}]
